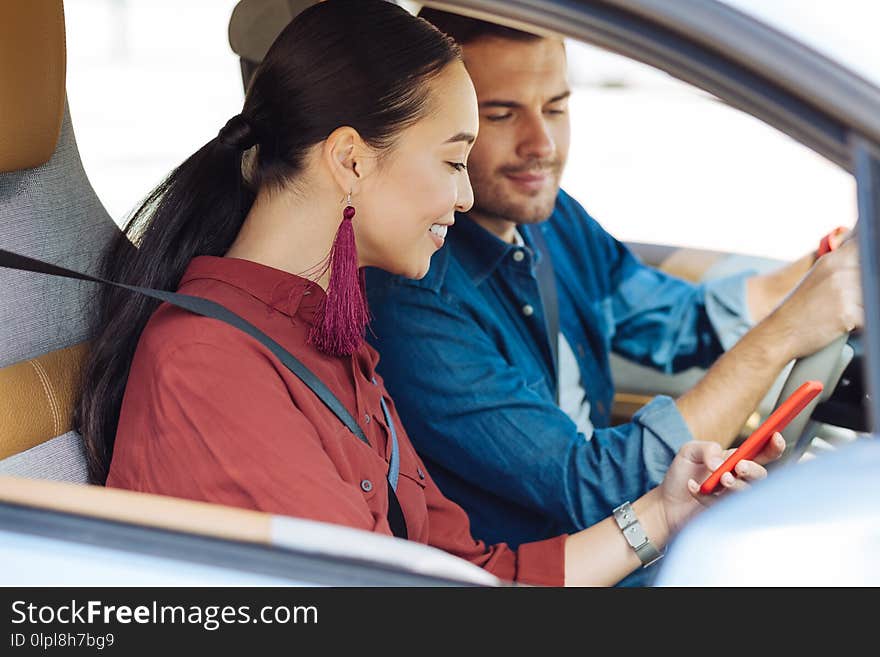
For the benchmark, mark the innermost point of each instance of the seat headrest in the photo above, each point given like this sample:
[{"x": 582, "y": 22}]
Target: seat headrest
[
  {"x": 32, "y": 77},
  {"x": 255, "y": 24}
]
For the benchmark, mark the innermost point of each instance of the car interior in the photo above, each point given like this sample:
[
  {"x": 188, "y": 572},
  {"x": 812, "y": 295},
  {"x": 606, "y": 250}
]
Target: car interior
[{"x": 49, "y": 210}]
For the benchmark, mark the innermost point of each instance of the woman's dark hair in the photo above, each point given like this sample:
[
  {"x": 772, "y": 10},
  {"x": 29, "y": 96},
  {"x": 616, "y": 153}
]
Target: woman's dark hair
[{"x": 357, "y": 63}]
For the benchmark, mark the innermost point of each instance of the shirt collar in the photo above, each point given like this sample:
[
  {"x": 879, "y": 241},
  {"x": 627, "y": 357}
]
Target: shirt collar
[
  {"x": 480, "y": 252},
  {"x": 287, "y": 293}
]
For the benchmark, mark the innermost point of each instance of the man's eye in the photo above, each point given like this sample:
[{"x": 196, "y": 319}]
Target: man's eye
[
  {"x": 498, "y": 117},
  {"x": 556, "y": 111},
  {"x": 458, "y": 166}
]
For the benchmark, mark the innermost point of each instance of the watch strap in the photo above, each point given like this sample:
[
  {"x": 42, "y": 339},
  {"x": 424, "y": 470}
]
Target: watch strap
[{"x": 635, "y": 535}]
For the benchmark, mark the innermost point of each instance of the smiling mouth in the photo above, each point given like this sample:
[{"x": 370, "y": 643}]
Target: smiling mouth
[
  {"x": 439, "y": 230},
  {"x": 532, "y": 176},
  {"x": 536, "y": 176},
  {"x": 531, "y": 182}
]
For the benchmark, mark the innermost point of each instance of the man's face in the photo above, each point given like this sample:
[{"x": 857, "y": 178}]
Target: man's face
[{"x": 517, "y": 161}]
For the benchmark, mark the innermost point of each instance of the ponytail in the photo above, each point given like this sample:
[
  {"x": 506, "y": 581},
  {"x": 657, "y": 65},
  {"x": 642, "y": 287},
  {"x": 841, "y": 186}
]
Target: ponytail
[{"x": 197, "y": 210}]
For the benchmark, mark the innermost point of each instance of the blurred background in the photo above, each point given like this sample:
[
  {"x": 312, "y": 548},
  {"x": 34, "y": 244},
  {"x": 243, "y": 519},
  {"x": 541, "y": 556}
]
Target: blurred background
[{"x": 653, "y": 159}]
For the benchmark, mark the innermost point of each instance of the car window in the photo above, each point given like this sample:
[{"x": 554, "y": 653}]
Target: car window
[
  {"x": 148, "y": 82},
  {"x": 657, "y": 160}
]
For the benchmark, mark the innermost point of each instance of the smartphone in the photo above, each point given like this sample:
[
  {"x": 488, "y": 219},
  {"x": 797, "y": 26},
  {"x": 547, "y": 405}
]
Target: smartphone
[{"x": 777, "y": 421}]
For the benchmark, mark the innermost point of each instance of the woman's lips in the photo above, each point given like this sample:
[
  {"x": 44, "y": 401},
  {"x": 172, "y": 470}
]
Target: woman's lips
[
  {"x": 438, "y": 233},
  {"x": 528, "y": 182}
]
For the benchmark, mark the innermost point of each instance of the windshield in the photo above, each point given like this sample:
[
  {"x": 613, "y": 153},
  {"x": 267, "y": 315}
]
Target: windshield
[{"x": 844, "y": 30}]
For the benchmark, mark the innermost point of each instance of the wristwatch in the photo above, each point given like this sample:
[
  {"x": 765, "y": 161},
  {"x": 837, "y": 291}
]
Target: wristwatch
[{"x": 635, "y": 535}]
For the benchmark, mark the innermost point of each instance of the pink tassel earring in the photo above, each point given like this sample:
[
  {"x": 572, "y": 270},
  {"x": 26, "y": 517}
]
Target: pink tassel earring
[{"x": 342, "y": 318}]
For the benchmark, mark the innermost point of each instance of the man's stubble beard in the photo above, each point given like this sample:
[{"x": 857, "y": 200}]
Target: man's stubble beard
[{"x": 491, "y": 200}]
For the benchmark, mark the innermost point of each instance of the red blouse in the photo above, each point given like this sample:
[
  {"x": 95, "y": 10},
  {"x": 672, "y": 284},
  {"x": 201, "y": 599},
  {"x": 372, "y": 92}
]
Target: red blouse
[{"x": 210, "y": 414}]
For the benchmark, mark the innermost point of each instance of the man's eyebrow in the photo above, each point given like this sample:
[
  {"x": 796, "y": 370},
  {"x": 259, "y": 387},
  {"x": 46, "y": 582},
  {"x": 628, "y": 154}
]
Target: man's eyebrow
[
  {"x": 500, "y": 103},
  {"x": 462, "y": 136},
  {"x": 512, "y": 104},
  {"x": 561, "y": 96}
]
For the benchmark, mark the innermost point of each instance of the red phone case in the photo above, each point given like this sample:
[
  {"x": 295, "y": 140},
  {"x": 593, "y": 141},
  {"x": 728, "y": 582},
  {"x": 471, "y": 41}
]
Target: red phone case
[{"x": 777, "y": 421}]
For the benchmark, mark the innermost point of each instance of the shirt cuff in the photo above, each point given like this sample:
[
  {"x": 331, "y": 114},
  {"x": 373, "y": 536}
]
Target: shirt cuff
[
  {"x": 727, "y": 307},
  {"x": 664, "y": 431},
  {"x": 542, "y": 563}
]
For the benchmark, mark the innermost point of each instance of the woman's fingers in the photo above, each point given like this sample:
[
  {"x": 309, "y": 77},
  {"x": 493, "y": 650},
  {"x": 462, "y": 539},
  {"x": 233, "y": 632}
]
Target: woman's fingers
[
  {"x": 694, "y": 490},
  {"x": 711, "y": 456},
  {"x": 772, "y": 451},
  {"x": 703, "y": 452},
  {"x": 749, "y": 471}
]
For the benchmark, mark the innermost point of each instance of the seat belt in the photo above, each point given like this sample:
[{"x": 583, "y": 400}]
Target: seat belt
[
  {"x": 214, "y": 310},
  {"x": 547, "y": 288}
]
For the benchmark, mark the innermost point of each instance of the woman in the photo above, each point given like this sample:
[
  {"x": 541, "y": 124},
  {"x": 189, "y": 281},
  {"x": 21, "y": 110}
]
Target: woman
[{"x": 350, "y": 151}]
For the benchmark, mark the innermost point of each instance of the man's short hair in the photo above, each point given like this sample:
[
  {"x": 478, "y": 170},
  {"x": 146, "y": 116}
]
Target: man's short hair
[{"x": 466, "y": 30}]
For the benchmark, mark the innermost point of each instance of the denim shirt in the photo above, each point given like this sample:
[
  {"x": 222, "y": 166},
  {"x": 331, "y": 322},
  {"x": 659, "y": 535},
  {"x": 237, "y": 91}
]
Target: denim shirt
[{"x": 465, "y": 354}]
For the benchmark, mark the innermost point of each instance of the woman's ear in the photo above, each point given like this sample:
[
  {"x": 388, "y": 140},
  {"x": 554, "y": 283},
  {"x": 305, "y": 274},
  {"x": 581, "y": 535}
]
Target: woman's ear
[{"x": 348, "y": 157}]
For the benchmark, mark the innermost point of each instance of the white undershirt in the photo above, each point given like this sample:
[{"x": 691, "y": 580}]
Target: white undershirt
[{"x": 572, "y": 395}]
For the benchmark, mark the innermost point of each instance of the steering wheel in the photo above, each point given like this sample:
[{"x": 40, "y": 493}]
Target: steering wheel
[{"x": 826, "y": 365}]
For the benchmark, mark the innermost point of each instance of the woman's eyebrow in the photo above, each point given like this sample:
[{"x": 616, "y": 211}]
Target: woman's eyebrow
[{"x": 462, "y": 136}]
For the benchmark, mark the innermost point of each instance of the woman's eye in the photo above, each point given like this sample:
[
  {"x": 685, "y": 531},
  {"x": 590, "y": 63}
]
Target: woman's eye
[
  {"x": 555, "y": 111},
  {"x": 458, "y": 166}
]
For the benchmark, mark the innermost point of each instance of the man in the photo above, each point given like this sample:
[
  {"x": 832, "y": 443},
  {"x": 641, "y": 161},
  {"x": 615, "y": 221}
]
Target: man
[{"x": 467, "y": 353}]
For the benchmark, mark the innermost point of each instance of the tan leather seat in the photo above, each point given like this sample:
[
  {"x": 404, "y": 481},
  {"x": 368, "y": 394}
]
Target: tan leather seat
[
  {"x": 37, "y": 398},
  {"x": 690, "y": 264},
  {"x": 32, "y": 72},
  {"x": 48, "y": 210}
]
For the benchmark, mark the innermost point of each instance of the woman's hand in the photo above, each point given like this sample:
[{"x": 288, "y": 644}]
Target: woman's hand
[{"x": 695, "y": 461}]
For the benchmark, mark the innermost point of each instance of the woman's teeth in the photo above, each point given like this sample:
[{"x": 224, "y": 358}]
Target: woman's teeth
[{"x": 439, "y": 230}]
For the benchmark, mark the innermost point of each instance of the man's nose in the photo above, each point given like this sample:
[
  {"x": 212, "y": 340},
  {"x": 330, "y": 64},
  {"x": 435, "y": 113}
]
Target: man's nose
[{"x": 536, "y": 142}]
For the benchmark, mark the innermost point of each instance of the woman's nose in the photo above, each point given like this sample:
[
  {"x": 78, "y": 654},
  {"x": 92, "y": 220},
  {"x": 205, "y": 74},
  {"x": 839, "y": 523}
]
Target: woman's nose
[{"x": 465, "y": 195}]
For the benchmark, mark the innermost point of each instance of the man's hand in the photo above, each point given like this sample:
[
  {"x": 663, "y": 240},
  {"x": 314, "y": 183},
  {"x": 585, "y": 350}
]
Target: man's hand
[
  {"x": 826, "y": 304},
  {"x": 765, "y": 292}
]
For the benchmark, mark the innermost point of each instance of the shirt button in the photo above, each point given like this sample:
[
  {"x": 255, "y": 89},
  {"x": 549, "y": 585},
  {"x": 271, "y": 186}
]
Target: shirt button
[
  {"x": 366, "y": 485},
  {"x": 518, "y": 256},
  {"x": 421, "y": 474},
  {"x": 527, "y": 310},
  {"x": 367, "y": 418}
]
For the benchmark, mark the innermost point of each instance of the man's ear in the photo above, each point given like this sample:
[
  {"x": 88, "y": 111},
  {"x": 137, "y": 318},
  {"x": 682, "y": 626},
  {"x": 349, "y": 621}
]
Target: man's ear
[{"x": 348, "y": 158}]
